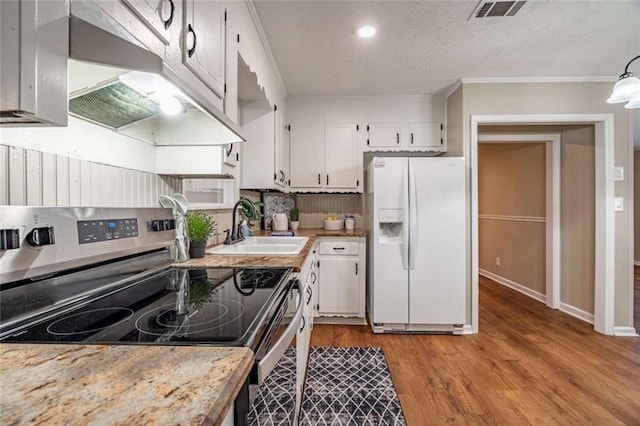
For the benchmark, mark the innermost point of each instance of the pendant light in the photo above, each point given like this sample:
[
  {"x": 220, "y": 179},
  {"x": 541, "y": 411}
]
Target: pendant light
[{"x": 627, "y": 88}]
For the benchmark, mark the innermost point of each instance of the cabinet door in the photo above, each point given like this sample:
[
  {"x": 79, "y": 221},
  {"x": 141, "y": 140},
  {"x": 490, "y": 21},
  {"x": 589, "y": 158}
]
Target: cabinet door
[
  {"x": 307, "y": 155},
  {"x": 425, "y": 135},
  {"x": 341, "y": 156},
  {"x": 383, "y": 135},
  {"x": 158, "y": 15},
  {"x": 231, "y": 154},
  {"x": 339, "y": 286},
  {"x": 281, "y": 169},
  {"x": 204, "y": 42}
]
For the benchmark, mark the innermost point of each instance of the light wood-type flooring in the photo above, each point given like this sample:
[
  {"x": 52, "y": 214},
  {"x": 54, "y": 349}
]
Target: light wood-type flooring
[{"x": 528, "y": 365}]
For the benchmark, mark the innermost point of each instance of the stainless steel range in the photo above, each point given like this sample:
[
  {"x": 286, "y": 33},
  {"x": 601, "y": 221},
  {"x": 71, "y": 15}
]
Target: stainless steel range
[{"x": 98, "y": 275}]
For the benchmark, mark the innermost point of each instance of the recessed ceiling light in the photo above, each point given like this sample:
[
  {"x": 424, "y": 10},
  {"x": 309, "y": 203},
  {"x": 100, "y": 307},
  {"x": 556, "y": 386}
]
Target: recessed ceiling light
[{"x": 366, "y": 31}]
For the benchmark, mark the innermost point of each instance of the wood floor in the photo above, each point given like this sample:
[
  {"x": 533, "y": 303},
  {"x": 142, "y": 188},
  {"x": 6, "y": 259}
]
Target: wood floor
[{"x": 528, "y": 365}]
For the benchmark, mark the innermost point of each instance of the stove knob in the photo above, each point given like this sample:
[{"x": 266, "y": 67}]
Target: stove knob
[
  {"x": 157, "y": 225},
  {"x": 169, "y": 224},
  {"x": 39, "y": 237},
  {"x": 9, "y": 239}
]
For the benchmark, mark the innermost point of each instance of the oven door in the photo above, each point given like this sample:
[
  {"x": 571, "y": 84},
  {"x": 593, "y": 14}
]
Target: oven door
[{"x": 280, "y": 335}]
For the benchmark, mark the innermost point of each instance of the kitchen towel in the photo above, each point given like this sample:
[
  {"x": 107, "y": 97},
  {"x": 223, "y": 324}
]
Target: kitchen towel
[{"x": 349, "y": 386}]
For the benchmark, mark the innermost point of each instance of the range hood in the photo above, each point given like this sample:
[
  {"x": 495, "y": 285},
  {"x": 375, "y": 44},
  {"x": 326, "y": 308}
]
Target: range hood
[{"x": 116, "y": 83}]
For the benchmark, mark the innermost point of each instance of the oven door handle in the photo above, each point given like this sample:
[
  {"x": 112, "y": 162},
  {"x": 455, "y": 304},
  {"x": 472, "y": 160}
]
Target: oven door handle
[{"x": 271, "y": 358}]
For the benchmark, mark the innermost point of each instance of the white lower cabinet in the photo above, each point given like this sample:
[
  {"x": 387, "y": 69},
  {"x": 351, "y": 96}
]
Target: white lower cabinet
[
  {"x": 308, "y": 281},
  {"x": 341, "y": 272}
]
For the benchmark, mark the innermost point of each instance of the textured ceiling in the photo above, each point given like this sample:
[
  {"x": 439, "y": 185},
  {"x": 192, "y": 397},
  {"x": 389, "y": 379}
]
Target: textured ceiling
[{"x": 423, "y": 47}]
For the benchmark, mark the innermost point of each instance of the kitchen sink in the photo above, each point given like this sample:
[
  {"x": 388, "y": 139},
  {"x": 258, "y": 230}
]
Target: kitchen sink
[{"x": 262, "y": 245}]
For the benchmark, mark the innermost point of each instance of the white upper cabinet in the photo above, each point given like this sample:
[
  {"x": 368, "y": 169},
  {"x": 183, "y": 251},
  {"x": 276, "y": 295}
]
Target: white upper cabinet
[
  {"x": 263, "y": 159},
  {"x": 281, "y": 166},
  {"x": 394, "y": 136},
  {"x": 158, "y": 15},
  {"x": 231, "y": 154},
  {"x": 426, "y": 135},
  {"x": 324, "y": 157},
  {"x": 204, "y": 38},
  {"x": 384, "y": 135},
  {"x": 307, "y": 154},
  {"x": 341, "y": 156}
]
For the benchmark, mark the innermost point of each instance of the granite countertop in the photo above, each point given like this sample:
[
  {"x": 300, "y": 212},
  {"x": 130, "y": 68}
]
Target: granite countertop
[
  {"x": 119, "y": 384},
  {"x": 271, "y": 261}
]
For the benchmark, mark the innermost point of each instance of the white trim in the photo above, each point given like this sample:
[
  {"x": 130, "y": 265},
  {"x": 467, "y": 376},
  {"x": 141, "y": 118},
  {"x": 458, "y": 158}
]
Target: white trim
[
  {"x": 467, "y": 329},
  {"x": 577, "y": 79},
  {"x": 624, "y": 331},
  {"x": 535, "y": 219},
  {"x": 605, "y": 220},
  {"x": 604, "y": 307},
  {"x": 265, "y": 43},
  {"x": 453, "y": 89},
  {"x": 576, "y": 312},
  {"x": 553, "y": 237},
  {"x": 513, "y": 285},
  {"x": 636, "y": 262}
]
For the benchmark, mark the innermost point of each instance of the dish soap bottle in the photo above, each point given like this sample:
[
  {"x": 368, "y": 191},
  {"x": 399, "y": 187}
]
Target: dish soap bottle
[{"x": 244, "y": 229}]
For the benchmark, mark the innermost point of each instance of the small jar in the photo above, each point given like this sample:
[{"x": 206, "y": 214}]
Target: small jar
[{"x": 349, "y": 223}]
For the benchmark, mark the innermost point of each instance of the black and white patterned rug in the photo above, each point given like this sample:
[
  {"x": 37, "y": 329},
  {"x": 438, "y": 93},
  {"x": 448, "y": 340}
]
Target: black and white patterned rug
[
  {"x": 345, "y": 387},
  {"x": 276, "y": 399},
  {"x": 349, "y": 386}
]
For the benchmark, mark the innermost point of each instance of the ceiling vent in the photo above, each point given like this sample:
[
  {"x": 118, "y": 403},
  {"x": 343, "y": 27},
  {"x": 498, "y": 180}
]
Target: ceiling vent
[{"x": 485, "y": 9}]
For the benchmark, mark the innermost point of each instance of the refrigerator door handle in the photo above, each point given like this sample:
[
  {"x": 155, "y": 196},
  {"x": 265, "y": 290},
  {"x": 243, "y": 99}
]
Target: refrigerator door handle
[
  {"x": 413, "y": 218},
  {"x": 405, "y": 224}
]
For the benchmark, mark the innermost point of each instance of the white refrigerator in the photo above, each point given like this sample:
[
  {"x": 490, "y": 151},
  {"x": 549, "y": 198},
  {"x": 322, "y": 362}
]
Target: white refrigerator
[{"x": 416, "y": 223}]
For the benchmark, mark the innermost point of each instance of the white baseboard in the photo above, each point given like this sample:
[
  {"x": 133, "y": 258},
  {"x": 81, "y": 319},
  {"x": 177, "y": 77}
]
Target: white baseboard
[
  {"x": 576, "y": 312},
  {"x": 624, "y": 332},
  {"x": 513, "y": 285},
  {"x": 636, "y": 262}
]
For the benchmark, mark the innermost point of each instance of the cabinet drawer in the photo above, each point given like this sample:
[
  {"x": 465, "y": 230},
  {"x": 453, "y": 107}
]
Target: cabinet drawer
[{"x": 339, "y": 248}]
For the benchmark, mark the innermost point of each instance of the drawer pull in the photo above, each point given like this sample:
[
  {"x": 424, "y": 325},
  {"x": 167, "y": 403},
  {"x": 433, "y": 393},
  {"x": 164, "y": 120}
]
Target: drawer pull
[{"x": 338, "y": 248}]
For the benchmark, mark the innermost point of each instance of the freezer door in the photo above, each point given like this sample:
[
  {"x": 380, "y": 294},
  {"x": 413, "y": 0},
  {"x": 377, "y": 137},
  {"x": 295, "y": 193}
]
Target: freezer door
[
  {"x": 437, "y": 259},
  {"x": 389, "y": 242}
]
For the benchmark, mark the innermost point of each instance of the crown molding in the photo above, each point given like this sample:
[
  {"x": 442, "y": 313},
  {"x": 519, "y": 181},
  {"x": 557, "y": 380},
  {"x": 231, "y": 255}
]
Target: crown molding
[
  {"x": 265, "y": 44},
  {"x": 453, "y": 88},
  {"x": 489, "y": 80}
]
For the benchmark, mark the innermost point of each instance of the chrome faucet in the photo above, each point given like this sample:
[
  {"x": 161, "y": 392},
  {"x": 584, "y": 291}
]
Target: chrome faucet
[{"x": 235, "y": 234}]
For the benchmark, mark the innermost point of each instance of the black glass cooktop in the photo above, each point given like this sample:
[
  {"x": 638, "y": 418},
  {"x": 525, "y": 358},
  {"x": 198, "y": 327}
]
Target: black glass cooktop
[{"x": 178, "y": 306}]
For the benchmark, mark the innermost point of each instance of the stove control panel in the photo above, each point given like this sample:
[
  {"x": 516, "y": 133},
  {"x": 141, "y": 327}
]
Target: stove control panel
[{"x": 95, "y": 231}]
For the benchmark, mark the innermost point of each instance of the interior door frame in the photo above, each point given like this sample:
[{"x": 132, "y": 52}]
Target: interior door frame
[
  {"x": 604, "y": 307},
  {"x": 552, "y": 221}
]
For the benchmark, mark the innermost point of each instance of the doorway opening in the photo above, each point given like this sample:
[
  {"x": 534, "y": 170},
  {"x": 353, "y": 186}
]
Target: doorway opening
[
  {"x": 519, "y": 211},
  {"x": 603, "y": 265}
]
